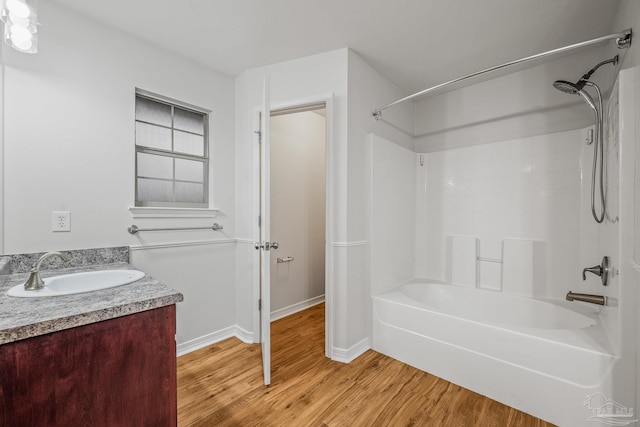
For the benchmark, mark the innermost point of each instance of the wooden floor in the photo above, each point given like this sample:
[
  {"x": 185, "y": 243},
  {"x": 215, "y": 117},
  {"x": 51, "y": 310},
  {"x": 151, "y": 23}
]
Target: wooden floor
[{"x": 221, "y": 385}]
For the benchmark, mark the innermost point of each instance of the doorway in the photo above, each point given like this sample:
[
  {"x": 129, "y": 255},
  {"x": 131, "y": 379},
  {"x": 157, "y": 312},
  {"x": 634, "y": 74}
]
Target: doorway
[
  {"x": 320, "y": 112},
  {"x": 297, "y": 208}
]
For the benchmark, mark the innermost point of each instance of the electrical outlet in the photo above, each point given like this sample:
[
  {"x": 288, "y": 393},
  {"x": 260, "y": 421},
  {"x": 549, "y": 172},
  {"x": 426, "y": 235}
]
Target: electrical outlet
[{"x": 60, "y": 221}]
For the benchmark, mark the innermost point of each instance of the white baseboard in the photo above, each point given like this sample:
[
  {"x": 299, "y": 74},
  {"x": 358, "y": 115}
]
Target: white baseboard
[
  {"x": 287, "y": 311},
  {"x": 205, "y": 340},
  {"x": 350, "y": 354},
  {"x": 244, "y": 335},
  {"x": 214, "y": 337}
]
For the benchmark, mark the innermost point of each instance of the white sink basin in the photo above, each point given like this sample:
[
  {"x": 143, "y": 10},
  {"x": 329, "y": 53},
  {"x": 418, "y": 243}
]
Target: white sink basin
[{"x": 78, "y": 283}]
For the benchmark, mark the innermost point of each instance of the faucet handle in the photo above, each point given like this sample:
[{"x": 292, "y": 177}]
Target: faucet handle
[
  {"x": 601, "y": 270},
  {"x": 597, "y": 270}
]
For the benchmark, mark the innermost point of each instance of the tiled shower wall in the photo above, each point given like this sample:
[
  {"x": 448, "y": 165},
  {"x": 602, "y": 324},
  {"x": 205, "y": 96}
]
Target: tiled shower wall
[{"x": 526, "y": 188}]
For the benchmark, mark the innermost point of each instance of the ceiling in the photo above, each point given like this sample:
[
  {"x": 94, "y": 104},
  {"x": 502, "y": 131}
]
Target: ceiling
[{"x": 414, "y": 43}]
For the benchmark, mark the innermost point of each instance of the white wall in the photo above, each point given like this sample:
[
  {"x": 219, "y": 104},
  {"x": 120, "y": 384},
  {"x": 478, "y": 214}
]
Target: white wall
[
  {"x": 204, "y": 275},
  {"x": 393, "y": 214},
  {"x": 625, "y": 313},
  {"x": 298, "y": 81},
  {"x": 516, "y": 105},
  {"x": 297, "y": 210},
  {"x": 2, "y": 223},
  {"x": 628, "y": 16},
  {"x": 368, "y": 90},
  {"x": 292, "y": 83},
  {"x": 69, "y": 145}
]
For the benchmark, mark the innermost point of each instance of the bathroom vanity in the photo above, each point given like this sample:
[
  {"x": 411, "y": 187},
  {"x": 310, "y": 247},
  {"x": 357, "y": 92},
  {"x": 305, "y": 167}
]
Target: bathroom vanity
[{"x": 103, "y": 358}]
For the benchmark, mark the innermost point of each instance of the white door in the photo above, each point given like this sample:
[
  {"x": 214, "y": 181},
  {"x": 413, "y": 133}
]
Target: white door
[{"x": 265, "y": 245}]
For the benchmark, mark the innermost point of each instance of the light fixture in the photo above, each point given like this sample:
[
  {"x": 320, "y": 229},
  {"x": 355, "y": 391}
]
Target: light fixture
[{"x": 20, "y": 19}]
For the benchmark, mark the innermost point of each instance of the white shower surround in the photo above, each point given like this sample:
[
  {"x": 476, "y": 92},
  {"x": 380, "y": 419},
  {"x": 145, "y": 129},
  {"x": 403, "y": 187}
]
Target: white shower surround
[
  {"x": 468, "y": 351},
  {"x": 527, "y": 188}
]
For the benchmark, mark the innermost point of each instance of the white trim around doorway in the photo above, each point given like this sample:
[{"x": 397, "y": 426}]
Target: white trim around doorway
[{"x": 327, "y": 100}]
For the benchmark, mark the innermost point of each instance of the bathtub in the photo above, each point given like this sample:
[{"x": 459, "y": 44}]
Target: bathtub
[{"x": 539, "y": 356}]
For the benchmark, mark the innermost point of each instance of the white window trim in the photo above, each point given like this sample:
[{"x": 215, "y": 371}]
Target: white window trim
[
  {"x": 180, "y": 211},
  {"x": 177, "y": 102}
]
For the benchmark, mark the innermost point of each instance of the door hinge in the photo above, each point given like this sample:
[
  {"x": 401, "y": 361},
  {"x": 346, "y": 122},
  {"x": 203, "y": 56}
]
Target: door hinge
[
  {"x": 259, "y": 221},
  {"x": 259, "y": 133},
  {"x": 260, "y": 305}
]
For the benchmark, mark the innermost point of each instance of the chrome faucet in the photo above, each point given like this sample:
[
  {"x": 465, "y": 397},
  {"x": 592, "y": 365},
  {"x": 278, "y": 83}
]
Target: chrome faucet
[
  {"x": 601, "y": 270},
  {"x": 593, "y": 299},
  {"x": 34, "y": 282}
]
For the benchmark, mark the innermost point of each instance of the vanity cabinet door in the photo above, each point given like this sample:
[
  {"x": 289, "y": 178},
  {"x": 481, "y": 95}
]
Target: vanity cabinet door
[{"x": 118, "y": 372}]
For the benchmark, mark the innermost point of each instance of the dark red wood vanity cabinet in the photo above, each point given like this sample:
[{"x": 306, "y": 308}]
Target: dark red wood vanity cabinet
[{"x": 117, "y": 372}]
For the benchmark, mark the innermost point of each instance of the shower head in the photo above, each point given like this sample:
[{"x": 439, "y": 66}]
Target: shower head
[
  {"x": 568, "y": 87},
  {"x": 575, "y": 88}
]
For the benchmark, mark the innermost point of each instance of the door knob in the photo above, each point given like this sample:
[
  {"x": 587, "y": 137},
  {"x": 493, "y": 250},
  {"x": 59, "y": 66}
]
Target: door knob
[{"x": 274, "y": 245}]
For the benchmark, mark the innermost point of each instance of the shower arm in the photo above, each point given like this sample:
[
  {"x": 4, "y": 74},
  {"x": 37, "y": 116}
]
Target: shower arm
[
  {"x": 623, "y": 40},
  {"x": 613, "y": 61}
]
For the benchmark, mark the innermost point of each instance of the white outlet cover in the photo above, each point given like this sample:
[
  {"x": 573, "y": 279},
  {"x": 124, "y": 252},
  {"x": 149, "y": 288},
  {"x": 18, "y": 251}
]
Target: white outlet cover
[{"x": 60, "y": 221}]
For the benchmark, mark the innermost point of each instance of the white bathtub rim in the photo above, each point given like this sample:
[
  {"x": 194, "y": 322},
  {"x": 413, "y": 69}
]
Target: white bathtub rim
[
  {"x": 517, "y": 331},
  {"x": 605, "y": 372},
  {"x": 585, "y": 309},
  {"x": 590, "y": 312}
]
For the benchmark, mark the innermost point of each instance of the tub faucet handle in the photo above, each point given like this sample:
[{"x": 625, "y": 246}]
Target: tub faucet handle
[
  {"x": 597, "y": 270},
  {"x": 601, "y": 270}
]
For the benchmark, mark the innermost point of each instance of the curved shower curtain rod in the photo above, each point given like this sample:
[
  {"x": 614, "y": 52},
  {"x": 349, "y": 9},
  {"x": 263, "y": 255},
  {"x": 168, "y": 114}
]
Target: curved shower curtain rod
[{"x": 623, "y": 40}]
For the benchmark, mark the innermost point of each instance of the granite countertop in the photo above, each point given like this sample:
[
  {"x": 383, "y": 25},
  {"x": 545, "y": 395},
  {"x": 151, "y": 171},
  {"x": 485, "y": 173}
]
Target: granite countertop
[{"x": 22, "y": 318}]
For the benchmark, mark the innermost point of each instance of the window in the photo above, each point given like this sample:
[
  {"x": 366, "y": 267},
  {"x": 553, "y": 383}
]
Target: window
[{"x": 172, "y": 154}]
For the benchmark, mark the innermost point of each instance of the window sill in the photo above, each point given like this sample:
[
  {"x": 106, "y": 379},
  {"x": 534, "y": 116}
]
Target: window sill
[{"x": 152, "y": 212}]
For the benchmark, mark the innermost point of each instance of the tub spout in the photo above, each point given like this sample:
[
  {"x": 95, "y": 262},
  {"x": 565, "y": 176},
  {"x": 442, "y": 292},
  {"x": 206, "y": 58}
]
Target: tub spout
[{"x": 593, "y": 299}]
